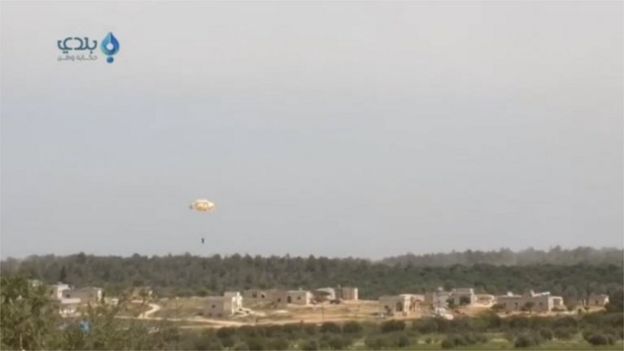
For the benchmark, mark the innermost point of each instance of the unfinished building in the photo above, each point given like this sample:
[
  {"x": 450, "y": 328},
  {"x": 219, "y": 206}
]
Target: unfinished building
[
  {"x": 325, "y": 294},
  {"x": 299, "y": 297},
  {"x": 530, "y": 302},
  {"x": 403, "y": 304},
  {"x": 463, "y": 296},
  {"x": 57, "y": 291},
  {"x": 597, "y": 300},
  {"x": 438, "y": 298},
  {"x": 223, "y": 306},
  {"x": 273, "y": 297},
  {"x": 87, "y": 295},
  {"x": 348, "y": 293}
]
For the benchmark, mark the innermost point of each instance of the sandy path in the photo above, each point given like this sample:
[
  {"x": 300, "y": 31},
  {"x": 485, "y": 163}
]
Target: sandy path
[{"x": 153, "y": 309}]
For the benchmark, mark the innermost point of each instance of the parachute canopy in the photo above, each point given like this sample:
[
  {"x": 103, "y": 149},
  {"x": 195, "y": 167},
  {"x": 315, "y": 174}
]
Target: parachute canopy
[{"x": 202, "y": 205}]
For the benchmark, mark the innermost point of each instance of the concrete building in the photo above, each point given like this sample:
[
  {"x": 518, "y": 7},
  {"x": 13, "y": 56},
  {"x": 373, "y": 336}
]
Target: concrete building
[
  {"x": 299, "y": 297},
  {"x": 324, "y": 294},
  {"x": 223, "y": 306},
  {"x": 403, "y": 304},
  {"x": 348, "y": 293},
  {"x": 273, "y": 297},
  {"x": 88, "y": 295},
  {"x": 463, "y": 296},
  {"x": 597, "y": 300},
  {"x": 438, "y": 298},
  {"x": 486, "y": 299},
  {"x": 530, "y": 301},
  {"x": 57, "y": 290}
]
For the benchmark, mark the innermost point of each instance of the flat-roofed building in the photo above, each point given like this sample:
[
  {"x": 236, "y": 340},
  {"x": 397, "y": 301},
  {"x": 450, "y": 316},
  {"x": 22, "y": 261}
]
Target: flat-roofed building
[
  {"x": 324, "y": 294},
  {"x": 272, "y": 297},
  {"x": 58, "y": 290},
  {"x": 530, "y": 302},
  {"x": 87, "y": 295},
  {"x": 402, "y": 304},
  {"x": 463, "y": 296},
  {"x": 223, "y": 306},
  {"x": 348, "y": 293},
  {"x": 597, "y": 300},
  {"x": 299, "y": 297},
  {"x": 438, "y": 298}
]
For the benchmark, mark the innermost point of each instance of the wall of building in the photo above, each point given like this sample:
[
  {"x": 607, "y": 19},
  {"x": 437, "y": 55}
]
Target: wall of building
[
  {"x": 398, "y": 304},
  {"x": 86, "y": 295},
  {"x": 299, "y": 297},
  {"x": 273, "y": 297},
  {"x": 348, "y": 293},
  {"x": 216, "y": 307},
  {"x": 540, "y": 302}
]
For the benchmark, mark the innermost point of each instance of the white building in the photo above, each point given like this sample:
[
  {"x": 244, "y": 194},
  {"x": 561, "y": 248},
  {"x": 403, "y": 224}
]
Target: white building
[{"x": 57, "y": 290}]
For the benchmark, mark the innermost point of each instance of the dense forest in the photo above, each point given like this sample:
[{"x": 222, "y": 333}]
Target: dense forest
[
  {"x": 185, "y": 275},
  {"x": 506, "y": 257}
]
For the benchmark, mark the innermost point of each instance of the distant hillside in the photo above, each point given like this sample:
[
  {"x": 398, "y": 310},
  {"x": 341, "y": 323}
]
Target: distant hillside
[
  {"x": 506, "y": 257},
  {"x": 192, "y": 275}
]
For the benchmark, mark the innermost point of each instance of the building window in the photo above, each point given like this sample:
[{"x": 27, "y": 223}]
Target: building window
[{"x": 298, "y": 297}]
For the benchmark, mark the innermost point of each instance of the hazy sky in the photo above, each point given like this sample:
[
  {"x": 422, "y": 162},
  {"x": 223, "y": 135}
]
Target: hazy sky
[{"x": 365, "y": 129}]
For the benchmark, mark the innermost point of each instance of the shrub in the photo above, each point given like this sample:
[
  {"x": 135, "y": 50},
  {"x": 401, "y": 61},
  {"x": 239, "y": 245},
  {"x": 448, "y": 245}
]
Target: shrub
[
  {"x": 425, "y": 326},
  {"x": 278, "y": 343},
  {"x": 205, "y": 342},
  {"x": 310, "y": 329},
  {"x": 463, "y": 340},
  {"x": 564, "y": 333},
  {"x": 226, "y": 332},
  {"x": 292, "y": 329},
  {"x": 447, "y": 344},
  {"x": 351, "y": 327},
  {"x": 241, "y": 346},
  {"x": 546, "y": 334},
  {"x": 310, "y": 345},
  {"x": 248, "y": 330},
  {"x": 338, "y": 343},
  {"x": 598, "y": 339},
  {"x": 330, "y": 327},
  {"x": 227, "y": 341},
  {"x": 392, "y": 325},
  {"x": 402, "y": 341},
  {"x": 527, "y": 340},
  {"x": 376, "y": 342},
  {"x": 256, "y": 344}
]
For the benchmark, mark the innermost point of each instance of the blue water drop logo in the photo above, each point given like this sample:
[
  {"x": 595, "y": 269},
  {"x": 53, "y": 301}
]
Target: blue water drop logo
[{"x": 110, "y": 47}]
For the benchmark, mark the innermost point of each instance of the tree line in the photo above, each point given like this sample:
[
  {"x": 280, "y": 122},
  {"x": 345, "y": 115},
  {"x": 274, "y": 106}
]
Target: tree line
[
  {"x": 507, "y": 257},
  {"x": 184, "y": 275}
]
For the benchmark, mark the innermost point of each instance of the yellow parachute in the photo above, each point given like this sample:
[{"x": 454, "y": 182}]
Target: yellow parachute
[{"x": 202, "y": 205}]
